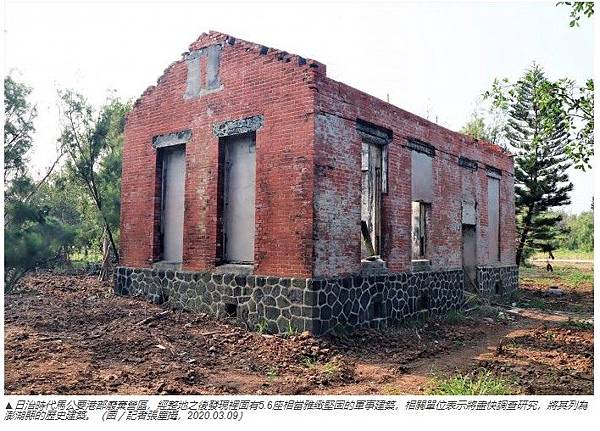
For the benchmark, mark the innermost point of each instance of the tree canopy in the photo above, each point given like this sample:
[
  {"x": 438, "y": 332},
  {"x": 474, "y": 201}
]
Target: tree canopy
[{"x": 538, "y": 133}]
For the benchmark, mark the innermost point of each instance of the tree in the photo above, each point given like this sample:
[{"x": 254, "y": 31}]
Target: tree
[
  {"x": 93, "y": 145},
  {"x": 577, "y": 9},
  {"x": 579, "y": 103},
  {"x": 580, "y": 231},
  {"x": 486, "y": 123},
  {"x": 475, "y": 128},
  {"x": 18, "y": 128},
  {"x": 576, "y": 101},
  {"x": 580, "y": 100},
  {"x": 32, "y": 237},
  {"x": 537, "y": 132},
  {"x": 70, "y": 203}
]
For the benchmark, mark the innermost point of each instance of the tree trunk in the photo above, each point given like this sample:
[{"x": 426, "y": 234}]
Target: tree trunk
[
  {"x": 106, "y": 264},
  {"x": 524, "y": 234},
  {"x": 113, "y": 245}
]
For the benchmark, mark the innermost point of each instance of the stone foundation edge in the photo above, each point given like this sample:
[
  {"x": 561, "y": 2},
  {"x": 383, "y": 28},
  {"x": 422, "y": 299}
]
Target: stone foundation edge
[
  {"x": 497, "y": 280},
  {"x": 288, "y": 305}
]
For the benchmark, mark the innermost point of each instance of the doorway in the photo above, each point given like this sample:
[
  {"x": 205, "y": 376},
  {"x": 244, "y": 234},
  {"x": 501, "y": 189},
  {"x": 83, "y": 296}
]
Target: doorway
[
  {"x": 238, "y": 172},
  {"x": 172, "y": 199},
  {"x": 469, "y": 256},
  {"x": 372, "y": 178}
]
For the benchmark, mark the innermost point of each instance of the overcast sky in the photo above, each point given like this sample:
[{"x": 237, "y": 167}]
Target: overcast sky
[{"x": 433, "y": 59}]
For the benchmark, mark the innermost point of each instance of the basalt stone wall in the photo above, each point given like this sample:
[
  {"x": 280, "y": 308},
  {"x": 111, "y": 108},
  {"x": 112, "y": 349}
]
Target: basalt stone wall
[
  {"x": 386, "y": 300},
  {"x": 279, "y": 303},
  {"x": 283, "y": 304},
  {"x": 497, "y": 280}
]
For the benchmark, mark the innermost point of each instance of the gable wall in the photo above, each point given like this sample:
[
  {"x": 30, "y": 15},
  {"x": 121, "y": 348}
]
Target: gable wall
[{"x": 273, "y": 85}]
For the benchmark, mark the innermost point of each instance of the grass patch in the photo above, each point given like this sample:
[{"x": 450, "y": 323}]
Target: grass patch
[
  {"x": 486, "y": 311},
  {"x": 481, "y": 384},
  {"x": 454, "y": 317},
  {"x": 567, "y": 254},
  {"x": 262, "y": 326},
  {"x": 291, "y": 330},
  {"x": 328, "y": 369},
  {"x": 536, "y": 303},
  {"x": 272, "y": 373},
  {"x": 577, "y": 324},
  {"x": 391, "y": 390},
  {"x": 566, "y": 276},
  {"x": 577, "y": 278}
]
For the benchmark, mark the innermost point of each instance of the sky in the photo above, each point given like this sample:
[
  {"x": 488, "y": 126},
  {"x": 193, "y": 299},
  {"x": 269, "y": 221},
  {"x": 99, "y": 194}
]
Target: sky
[{"x": 433, "y": 59}]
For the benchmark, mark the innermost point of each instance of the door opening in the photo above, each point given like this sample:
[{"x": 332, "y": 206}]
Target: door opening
[
  {"x": 172, "y": 203},
  {"x": 372, "y": 181},
  {"x": 469, "y": 257},
  {"x": 238, "y": 183}
]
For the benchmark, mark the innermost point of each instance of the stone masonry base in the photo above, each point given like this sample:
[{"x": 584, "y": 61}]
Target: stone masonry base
[
  {"x": 315, "y": 305},
  {"x": 497, "y": 280}
]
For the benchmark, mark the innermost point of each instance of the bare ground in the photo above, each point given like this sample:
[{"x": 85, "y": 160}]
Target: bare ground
[{"x": 71, "y": 335}]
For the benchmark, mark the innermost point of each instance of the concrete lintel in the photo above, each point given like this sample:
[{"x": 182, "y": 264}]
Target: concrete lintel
[
  {"x": 171, "y": 139},
  {"x": 374, "y": 133},
  {"x": 493, "y": 172},
  {"x": 237, "y": 127},
  {"x": 465, "y": 162},
  {"x": 420, "y": 146}
]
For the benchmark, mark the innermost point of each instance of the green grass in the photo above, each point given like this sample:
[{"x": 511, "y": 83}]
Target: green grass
[
  {"x": 486, "y": 311},
  {"x": 568, "y": 276},
  {"x": 577, "y": 324},
  {"x": 291, "y": 330},
  {"x": 328, "y": 369},
  {"x": 92, "y": 256},
  {"x": 567, "y": 254},
  {"x": 482, "y": 384},
  {"x": 580, "y": 277},
  {"x": 272, "y": 373},
  {"x": 454, "y": 317},
  {"x": 537, "y": 303},
  {"x": 261, "y": 327}
]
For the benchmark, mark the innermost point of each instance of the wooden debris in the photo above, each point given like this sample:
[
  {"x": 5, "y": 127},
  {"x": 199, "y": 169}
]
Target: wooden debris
[{"x": 153, "y": 318}]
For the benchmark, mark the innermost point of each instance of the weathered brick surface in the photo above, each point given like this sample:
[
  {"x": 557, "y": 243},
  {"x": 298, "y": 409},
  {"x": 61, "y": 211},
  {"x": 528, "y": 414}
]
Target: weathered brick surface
[
  {"x": 274, "y": 85},
  {"x": 308, "y": 156},
  {"x": 337, "y": 185}
]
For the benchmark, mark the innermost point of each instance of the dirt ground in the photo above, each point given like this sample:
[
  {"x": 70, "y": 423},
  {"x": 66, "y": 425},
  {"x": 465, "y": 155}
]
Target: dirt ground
[{"x": 71, "y": 335}]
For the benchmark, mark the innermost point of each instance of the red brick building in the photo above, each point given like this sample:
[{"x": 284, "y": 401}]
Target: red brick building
[{"x": 254, "y": 185}]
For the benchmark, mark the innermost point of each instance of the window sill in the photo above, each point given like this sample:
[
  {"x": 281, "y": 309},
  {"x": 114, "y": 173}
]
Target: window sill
[
  {"x": 165, "y": 265},
  {"x": 234, "y": 268},
  {"x": 373, "y": 267},
  {"x": 420, "y": 265}
]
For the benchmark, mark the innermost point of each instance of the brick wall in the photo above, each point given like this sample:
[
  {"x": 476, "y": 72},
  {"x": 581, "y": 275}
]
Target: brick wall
[
  {"x": 308, "y": 156},
  {"x": 273, "y": 84},
  {"x": 338, "y": 188}
]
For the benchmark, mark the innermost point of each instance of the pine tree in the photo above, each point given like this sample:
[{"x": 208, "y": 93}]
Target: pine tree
[{"x": 538, "y": 134}]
